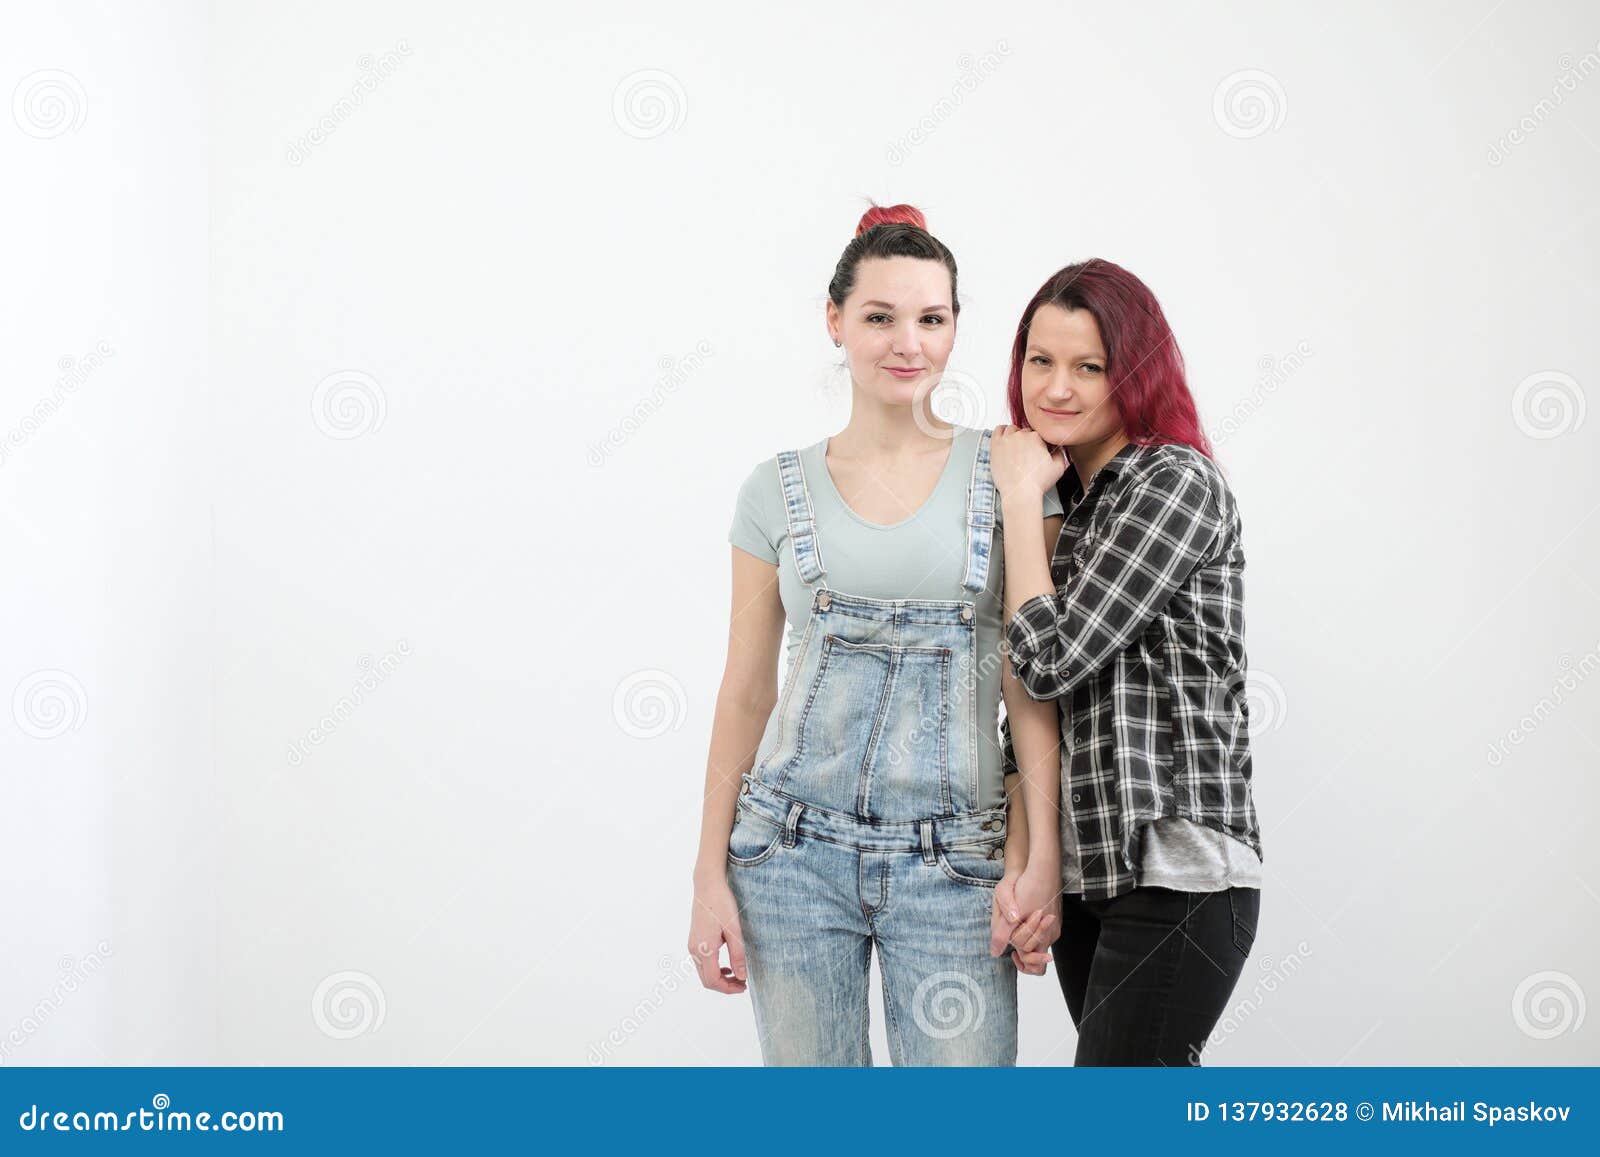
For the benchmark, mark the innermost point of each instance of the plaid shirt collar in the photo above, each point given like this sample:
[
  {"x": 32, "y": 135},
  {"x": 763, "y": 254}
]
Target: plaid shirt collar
[{"x": 1070, "y": 488}]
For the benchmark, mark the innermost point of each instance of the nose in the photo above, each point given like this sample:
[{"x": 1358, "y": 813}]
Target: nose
[
  {"x": 1058, "y": 398},
  {"x": 906, "y": 341}
]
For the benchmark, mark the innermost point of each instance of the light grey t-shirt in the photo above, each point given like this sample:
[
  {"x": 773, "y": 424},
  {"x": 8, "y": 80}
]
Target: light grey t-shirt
[
  {"x": 1189, "y": 857},
  {"x": 921, "y": 557},
  {"x": 1175, "y": 853}
]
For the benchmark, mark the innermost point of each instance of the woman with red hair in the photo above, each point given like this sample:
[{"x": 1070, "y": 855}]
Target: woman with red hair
[{"x": 1135, "y": 629}]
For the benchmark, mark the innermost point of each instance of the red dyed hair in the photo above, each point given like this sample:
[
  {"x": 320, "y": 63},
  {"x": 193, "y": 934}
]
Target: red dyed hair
[
  {"x": 890, "y": 231},
  {"x": 892, "y": 215},
  {"x": 1144, "y": 367}
]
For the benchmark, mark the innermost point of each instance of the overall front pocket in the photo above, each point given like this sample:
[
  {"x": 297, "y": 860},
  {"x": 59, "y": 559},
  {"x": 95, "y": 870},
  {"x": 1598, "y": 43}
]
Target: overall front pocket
[
  {"x": 980, "y": 865},
  {"x": 754, "y": 838},
  {"x": 874, "y": 738}
]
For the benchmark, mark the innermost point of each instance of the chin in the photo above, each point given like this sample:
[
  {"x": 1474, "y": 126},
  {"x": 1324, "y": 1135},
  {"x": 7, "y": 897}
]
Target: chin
[{"x": 1052, "y": 430}]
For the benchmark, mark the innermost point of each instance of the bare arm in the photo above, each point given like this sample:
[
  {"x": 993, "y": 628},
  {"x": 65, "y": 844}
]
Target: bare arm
[
  {"x": 1027, "y": 912},
  {"x": 1027, "y": 553},
  {"x": 745, "y": 700},
  {"x": 1035, "y": 731}
]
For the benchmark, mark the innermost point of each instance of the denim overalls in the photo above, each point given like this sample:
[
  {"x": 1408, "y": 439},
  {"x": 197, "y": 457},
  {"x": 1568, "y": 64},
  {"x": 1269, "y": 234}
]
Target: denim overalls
[{"x": 860, "y": 824}]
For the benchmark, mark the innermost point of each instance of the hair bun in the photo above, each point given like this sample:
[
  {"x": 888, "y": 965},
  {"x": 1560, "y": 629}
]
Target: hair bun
[{"x": 892, "y": 215}]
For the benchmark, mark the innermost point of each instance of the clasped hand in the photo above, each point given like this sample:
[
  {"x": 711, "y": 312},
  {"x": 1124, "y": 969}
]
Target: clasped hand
[{"x": 1026, "y": 915}]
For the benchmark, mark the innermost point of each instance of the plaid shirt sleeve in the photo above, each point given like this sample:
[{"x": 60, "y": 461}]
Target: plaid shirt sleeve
[
  {"x": 1008, "y": 754},
  {"x": 1160, "y": 530}
]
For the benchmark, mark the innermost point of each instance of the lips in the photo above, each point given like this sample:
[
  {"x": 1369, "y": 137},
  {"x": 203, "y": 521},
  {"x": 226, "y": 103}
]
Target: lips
[
  {"x": 903, "y": 371},
  {"x": 1061, "y": 413}
]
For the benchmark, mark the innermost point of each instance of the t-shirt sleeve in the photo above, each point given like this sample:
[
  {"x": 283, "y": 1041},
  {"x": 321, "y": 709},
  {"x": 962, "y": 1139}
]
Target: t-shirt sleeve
[{"x": 751, "y": 530}]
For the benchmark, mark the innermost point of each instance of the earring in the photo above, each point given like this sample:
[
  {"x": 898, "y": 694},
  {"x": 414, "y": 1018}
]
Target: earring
[{"x": 837, "y": 343}]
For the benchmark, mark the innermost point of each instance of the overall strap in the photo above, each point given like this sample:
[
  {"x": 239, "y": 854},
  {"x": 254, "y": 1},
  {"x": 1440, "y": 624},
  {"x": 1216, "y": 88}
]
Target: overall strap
[
  {"x": 980, "y": 517},
  {"x": 802, "y": 519}
]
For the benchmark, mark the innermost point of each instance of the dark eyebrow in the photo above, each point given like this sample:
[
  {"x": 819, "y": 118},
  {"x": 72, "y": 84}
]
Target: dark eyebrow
[
  {"x": 1032, "y": 346},
  {"x": 926, "y": 309}
]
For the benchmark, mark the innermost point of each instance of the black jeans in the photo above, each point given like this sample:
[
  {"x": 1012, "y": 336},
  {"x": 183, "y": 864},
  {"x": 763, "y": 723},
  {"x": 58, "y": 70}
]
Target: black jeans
[{"x": 1148, "y": 974}]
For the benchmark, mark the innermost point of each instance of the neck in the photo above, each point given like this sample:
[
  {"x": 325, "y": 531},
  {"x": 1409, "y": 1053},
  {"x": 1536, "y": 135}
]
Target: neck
[
  {"x": 881, "y": 428},
  {"x": 1089, "y": 457}
]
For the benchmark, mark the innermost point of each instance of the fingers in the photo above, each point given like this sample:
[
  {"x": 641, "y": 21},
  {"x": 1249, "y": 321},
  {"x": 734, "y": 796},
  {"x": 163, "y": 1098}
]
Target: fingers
[
  {"x": 1022, "y": 934},
  {"x": 1041, "y": 937},
  {"x": 1005, "y": 899},
  {"x": 1036, "y": 932},
  {"x": 734, "y": 935},
  {"x": 712, "y": 974},
  {"x": 1032, "y": 963},
  {"x": 999, "y": 931},
  {"x": 999, "y": 935},
  {"x": 705, "y": 963}
]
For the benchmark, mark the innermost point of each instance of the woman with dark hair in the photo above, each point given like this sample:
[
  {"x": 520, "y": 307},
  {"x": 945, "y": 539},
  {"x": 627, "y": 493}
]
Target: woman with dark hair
[
  {"x": 1135, "y": 628},
  {"x": 865, "y": 809}
]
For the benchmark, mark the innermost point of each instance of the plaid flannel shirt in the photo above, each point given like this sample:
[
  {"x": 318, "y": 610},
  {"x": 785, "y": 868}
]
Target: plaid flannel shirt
[{"x": 1142, "y": 646}]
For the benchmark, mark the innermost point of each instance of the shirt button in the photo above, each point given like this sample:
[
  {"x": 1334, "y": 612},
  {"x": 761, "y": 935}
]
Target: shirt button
[
  {"x": 744, "y": 788},
  {"x": 824, "y": 601},
  {"x": 966, "y": 613},
  {"x": 1077, "y": 798}
]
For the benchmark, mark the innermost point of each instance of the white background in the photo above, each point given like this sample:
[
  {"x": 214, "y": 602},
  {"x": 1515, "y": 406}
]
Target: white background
[{"x": 375, "y": 406}]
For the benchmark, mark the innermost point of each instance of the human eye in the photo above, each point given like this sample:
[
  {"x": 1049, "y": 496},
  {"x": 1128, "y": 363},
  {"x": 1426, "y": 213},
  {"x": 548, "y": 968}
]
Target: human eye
[
  {"x": 935, "y": 318},
  {"x": 1039, "y": 360},
  {"x": 877, "y": 318},
  {"x": 1093, "y": 368}
]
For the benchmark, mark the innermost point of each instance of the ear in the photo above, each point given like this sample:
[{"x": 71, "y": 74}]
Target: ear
[{"x": 835, "y": 322}]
